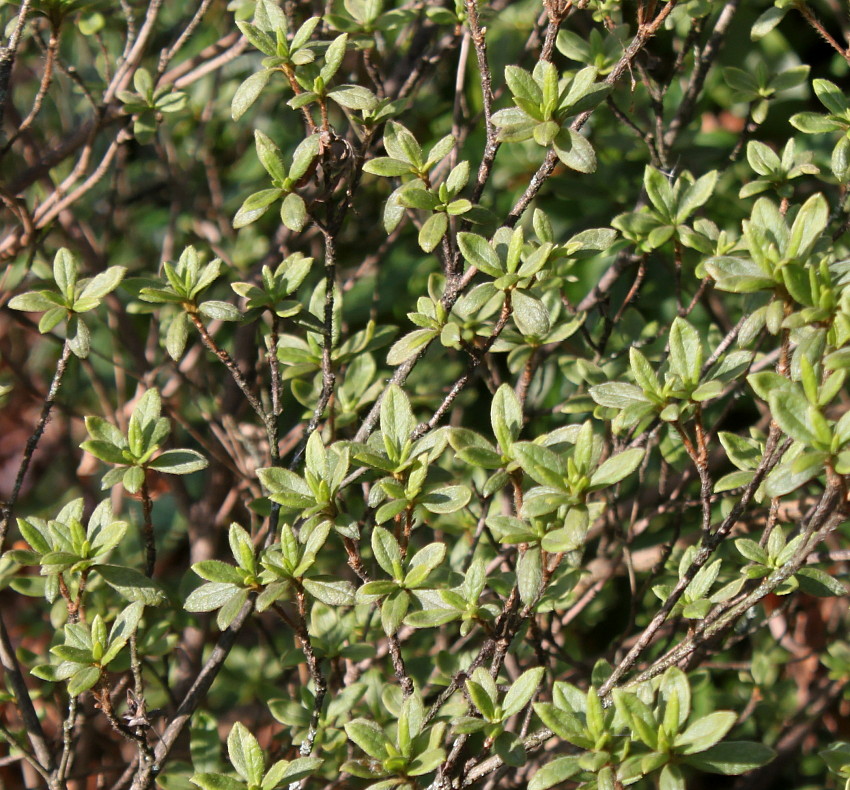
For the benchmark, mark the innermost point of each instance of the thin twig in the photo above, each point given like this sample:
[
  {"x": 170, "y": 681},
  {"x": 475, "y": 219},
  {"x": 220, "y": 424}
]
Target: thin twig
[
  {"x": 8, "y": 54},
  {"x": 46, "y": 80},
  {"x": 32, "y": 442},
  {"x": 710, "y": 543},
  {"x": 23, "y": 701},
  {"x": 319, "y": 683},
  {"x": 196, "y": 694}
]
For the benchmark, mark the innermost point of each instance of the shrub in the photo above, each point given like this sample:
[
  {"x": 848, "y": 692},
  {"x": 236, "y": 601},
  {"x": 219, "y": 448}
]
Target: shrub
[{"x": 406, "y": 395}]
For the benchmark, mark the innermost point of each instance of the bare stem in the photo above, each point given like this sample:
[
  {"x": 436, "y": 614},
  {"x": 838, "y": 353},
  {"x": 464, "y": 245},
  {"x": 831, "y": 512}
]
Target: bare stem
[
  {"x": 32, "y": 442},
  {"x": 319, "y": 683},
  {"x": 147, "y": 528}
]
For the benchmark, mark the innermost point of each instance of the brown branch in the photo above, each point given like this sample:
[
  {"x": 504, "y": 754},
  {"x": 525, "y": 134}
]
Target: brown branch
[
  {"x": 146, "y": 774},
  {"x": 491, "y": 146},
  {"x": 44, "y": 86},
  {"x": 817, "y": 25},
  {"x": 8, "y": 54},
  {"x": 147, "y": 527},
  {"x": 23, "y": 701},
  {"x": 771, "y": 457},
  {"x": 32, "y": 442},
  {"x": 316, "y": 676}
]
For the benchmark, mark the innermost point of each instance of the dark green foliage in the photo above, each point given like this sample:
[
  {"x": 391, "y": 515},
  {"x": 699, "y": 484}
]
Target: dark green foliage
[{"x": 489, "y": 427}]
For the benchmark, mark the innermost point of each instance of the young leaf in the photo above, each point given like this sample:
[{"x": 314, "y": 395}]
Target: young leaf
[
  {"x": 245, "y": 754},
  {"x": 521, "y": 691}
]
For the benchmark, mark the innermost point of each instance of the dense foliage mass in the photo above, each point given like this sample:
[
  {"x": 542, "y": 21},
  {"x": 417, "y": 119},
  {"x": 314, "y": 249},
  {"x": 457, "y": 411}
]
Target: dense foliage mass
[{"x": 424, "y": 394}]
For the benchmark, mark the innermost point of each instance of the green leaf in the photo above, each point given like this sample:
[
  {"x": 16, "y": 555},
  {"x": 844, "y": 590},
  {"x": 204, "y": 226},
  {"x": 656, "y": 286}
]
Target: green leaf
[
  {"x": 432, "y": 231},
  {"x": 572, "y": 535},
  {"x": 617, "y": 395},
  {"x": 255, "y": 206},
  {"x": 386, "y": 550},
  {"x": 368, "y": 736},
  {"x": 83, "y": 680},
  {"x": 617, "y": 467},
  {"x": 285, "y": 772},
  {"x": 790, "y": 409},
  {"x": 177, "y": 335},
  {"x": 105, "y": 451},
  {"x": 540, "y": 463},
  {"x": 481, "y": 700},
  {"x": 51, "y": 318},
  {"x": 35, "y": 301},
  {"x": 431, "y": 618},
  {"x": 211, "y": 596},
  {"x": 768, "y": 20},
  {"x": 659, "y": 191},
  {"x": 218, "y": 571},
  {"x": 705, "y": 732},
  {"x": 132, "y": 585},
  {"x": 293, "y": 212},
  {"x": 425, "y": 762},
  {"x": 65, "y": 272},
  {"x": 401, "y": 144},
  {"x": 685, "y": 351},
  {"x": 303, "y": 36},
  {"x": 409, "y": 345},
  {"x": 212, "y": 781},
  {"x": 815, "y": 123},
  {"x": 555, "y": 772},
  {"x": 247, "y": 93},
  {"x": 529, "y": 574},
  {"x": 386, "y": 166},
  {"x": 245, "y": 754},
  {"x": 506, "y": 417},
  {"x": 751, "y": 550},
  {"x": 522, "y": 84},
  {"x": 286, "y": 487},
  {"x": 808, "y": 226},
  {"x": 732, "y": 757},
  {"x": 574, "y": 150},
  {"x": 333, "y": 57},
  {"x": 33, "y": 536},
  {"x": 419, "y": 198},
  {"x": 220, "y": 311},
  {"x": 258, "y": 38},
  {"x": 397, "y": 421},
  {"x": 745, "y": 453},
  {"x": 303, "y": 156},
  {"x": 179, "y": 462},
  {"x": 830, "y": 96},
  {"x": 104, "y": 283},
  {"x": 789, "y": 476},
  {"x": 393, "y": 610},
  {"x": 373, "y": 590},
  {"x": 738, "y": 275},
  {"x": 270, "y": 156},
  {"x": 227, "y": 614},
  {"x": 530, "y": 315},
  {"x": 696, "y": 195},
  {"x": 564, "y": 724},
  {"x": 354, "y": 97},
  {"x": 814, "y": 581},
  {"x": 330, "y": 591},
  {"x": 671, "y": 778},
  {"x": 447, "y": 499},
  {"x": 521, "y": 691},
  {"x": 79, "y": 337},
  {"x": 477, "y": 251}
]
